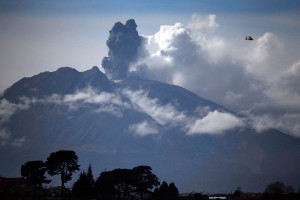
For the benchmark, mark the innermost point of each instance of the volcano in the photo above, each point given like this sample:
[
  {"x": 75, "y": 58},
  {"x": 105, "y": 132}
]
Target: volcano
[
  {"x": 134, "y": 121},
  {"x": 118, "y": 120}
]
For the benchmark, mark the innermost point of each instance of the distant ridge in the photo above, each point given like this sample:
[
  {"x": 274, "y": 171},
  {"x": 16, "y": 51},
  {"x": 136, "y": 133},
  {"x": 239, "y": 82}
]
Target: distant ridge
[{"x": 64, "y": 80}]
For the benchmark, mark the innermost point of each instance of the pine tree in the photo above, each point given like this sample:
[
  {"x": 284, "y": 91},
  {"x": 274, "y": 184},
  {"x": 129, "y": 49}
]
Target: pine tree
[
  {"x": 84, "y": 187},
  {"x": 63, "y": 163}
]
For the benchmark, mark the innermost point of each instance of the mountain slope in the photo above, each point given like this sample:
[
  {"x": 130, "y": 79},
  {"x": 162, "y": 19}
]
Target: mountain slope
[
  {"x": 135, "y": 121},
  {"x": 63, "y": 81}
]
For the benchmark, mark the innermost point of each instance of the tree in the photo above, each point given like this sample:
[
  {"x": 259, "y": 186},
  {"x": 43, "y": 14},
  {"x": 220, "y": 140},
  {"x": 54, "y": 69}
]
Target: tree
[
  {"x": 118, "y": 182},
  {"x": 62, "y": 162},
  {"x": 289, "y": 189},
  {"x": 123, "y": 181},
  {"x": 145, "y": 180},
  {"x": 163, "y": 191},
  {"x": 34, "y": 173},
  {"x": 173, "y": 192},
  {"x": 238, "y": 192},
  {"x": 275, "y": 188},
  {"x": 198, "y": 196},
  {"x": 166, "y": 192},
  {"x": 105, "y": 185},
  {"x": 84, "y": 187}
]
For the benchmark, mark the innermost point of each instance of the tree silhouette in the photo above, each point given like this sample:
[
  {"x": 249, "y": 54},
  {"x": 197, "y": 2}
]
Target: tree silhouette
[
  {"x": 289, "y": 189},
  {"x": 62, "y": 162},
  {"x": 173, "y": 192},
  {"x": 123, "y": 181},
  {"x": 275, "y": 188},
  {"x": 145, "y": 180},
  {"x": 34, "y": 173},
  {"x": 163, "y": 191},
  {"x": 166, "y": 192},
  {"x": 105, "y": 185},
  {"x": 238, "y": 192},
  {"x": 84, "y": 187}
]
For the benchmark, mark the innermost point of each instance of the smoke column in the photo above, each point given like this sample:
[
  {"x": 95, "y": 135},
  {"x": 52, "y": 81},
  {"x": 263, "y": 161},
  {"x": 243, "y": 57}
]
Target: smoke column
[{"x": 123, "y": 43}]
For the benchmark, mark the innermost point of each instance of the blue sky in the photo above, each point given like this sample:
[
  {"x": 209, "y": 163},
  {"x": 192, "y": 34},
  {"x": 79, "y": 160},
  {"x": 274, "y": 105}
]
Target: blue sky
[
  {"x": 38, "y": 26},
  {"x": 143, "y": 6},
  {"x": 260, "y": 77}
]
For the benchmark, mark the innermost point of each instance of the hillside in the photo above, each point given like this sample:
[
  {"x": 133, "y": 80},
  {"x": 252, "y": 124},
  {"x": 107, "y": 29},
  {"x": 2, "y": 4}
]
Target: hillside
[{"x": 134, "y": 121}]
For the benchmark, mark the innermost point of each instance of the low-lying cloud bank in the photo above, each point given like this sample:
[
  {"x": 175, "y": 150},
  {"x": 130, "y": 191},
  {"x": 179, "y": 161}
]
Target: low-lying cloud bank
[
  {"x": 255, "y": 77},
  {"x": 214, "y": 122},
  {"x": 203, "y": 121},
  {"x": 144, "y": 128}
]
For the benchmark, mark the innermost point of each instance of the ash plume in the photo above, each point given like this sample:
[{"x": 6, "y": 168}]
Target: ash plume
[{"x": 123, "y": 44}]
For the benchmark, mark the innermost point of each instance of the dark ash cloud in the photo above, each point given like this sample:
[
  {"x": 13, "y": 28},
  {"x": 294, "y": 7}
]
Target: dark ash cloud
[{"x": 123, "y": 44}]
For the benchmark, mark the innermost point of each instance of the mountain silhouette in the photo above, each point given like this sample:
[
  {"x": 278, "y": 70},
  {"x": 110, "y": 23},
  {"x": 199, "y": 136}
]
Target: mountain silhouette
[{"x": 122, "y": 124}]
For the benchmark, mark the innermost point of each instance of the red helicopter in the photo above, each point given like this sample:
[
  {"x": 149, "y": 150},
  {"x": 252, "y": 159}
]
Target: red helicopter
[{"x": 248, "y": 38}]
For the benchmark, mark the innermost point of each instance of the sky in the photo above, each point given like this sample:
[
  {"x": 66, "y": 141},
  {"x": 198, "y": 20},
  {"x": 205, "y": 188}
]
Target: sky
[{"x": 196, "y": 44}]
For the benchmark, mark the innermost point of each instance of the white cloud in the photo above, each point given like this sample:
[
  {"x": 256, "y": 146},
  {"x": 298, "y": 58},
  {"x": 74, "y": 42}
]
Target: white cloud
[
  {"x": 202, "y": 30},
  {"x": 4, "y": 137},
  {"x": 207, "y": 122},
  {"x": 285, "y": 89},
  {"x": 294, "y": 70},
  {"x": 211, "y": 122},
  {"x": 241, "y": 75},
  {"x": 167, "y": 115},
  {"x": 204, "y": 23},
  {"x": 163, "y": 114},
  {"x": 287, "y": 122},
  {"x": 7, "y": 109},
  {"x": 214, "y": 122},
  {"x": 18, "y": 142},
  {"x": 143, "y": 129},
  {"x": 107, "y": 102},
  {"x": 78, "y": 96},
  {"x": 194, "y": 58},
  {"x": 265, "y": 58},
  {"x": 110, "y": 109}
]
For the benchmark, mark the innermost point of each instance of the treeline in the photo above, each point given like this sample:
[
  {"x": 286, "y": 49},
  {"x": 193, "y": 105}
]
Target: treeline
[
  {"x": 63, "y": 163},
  {"x": 136, "y": 183}
]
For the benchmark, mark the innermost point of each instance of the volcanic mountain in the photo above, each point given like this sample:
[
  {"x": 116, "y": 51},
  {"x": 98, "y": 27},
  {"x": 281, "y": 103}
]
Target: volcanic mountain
[
  {"x": 118, "y": 120},
  {"x": 135, "y": 121}
]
